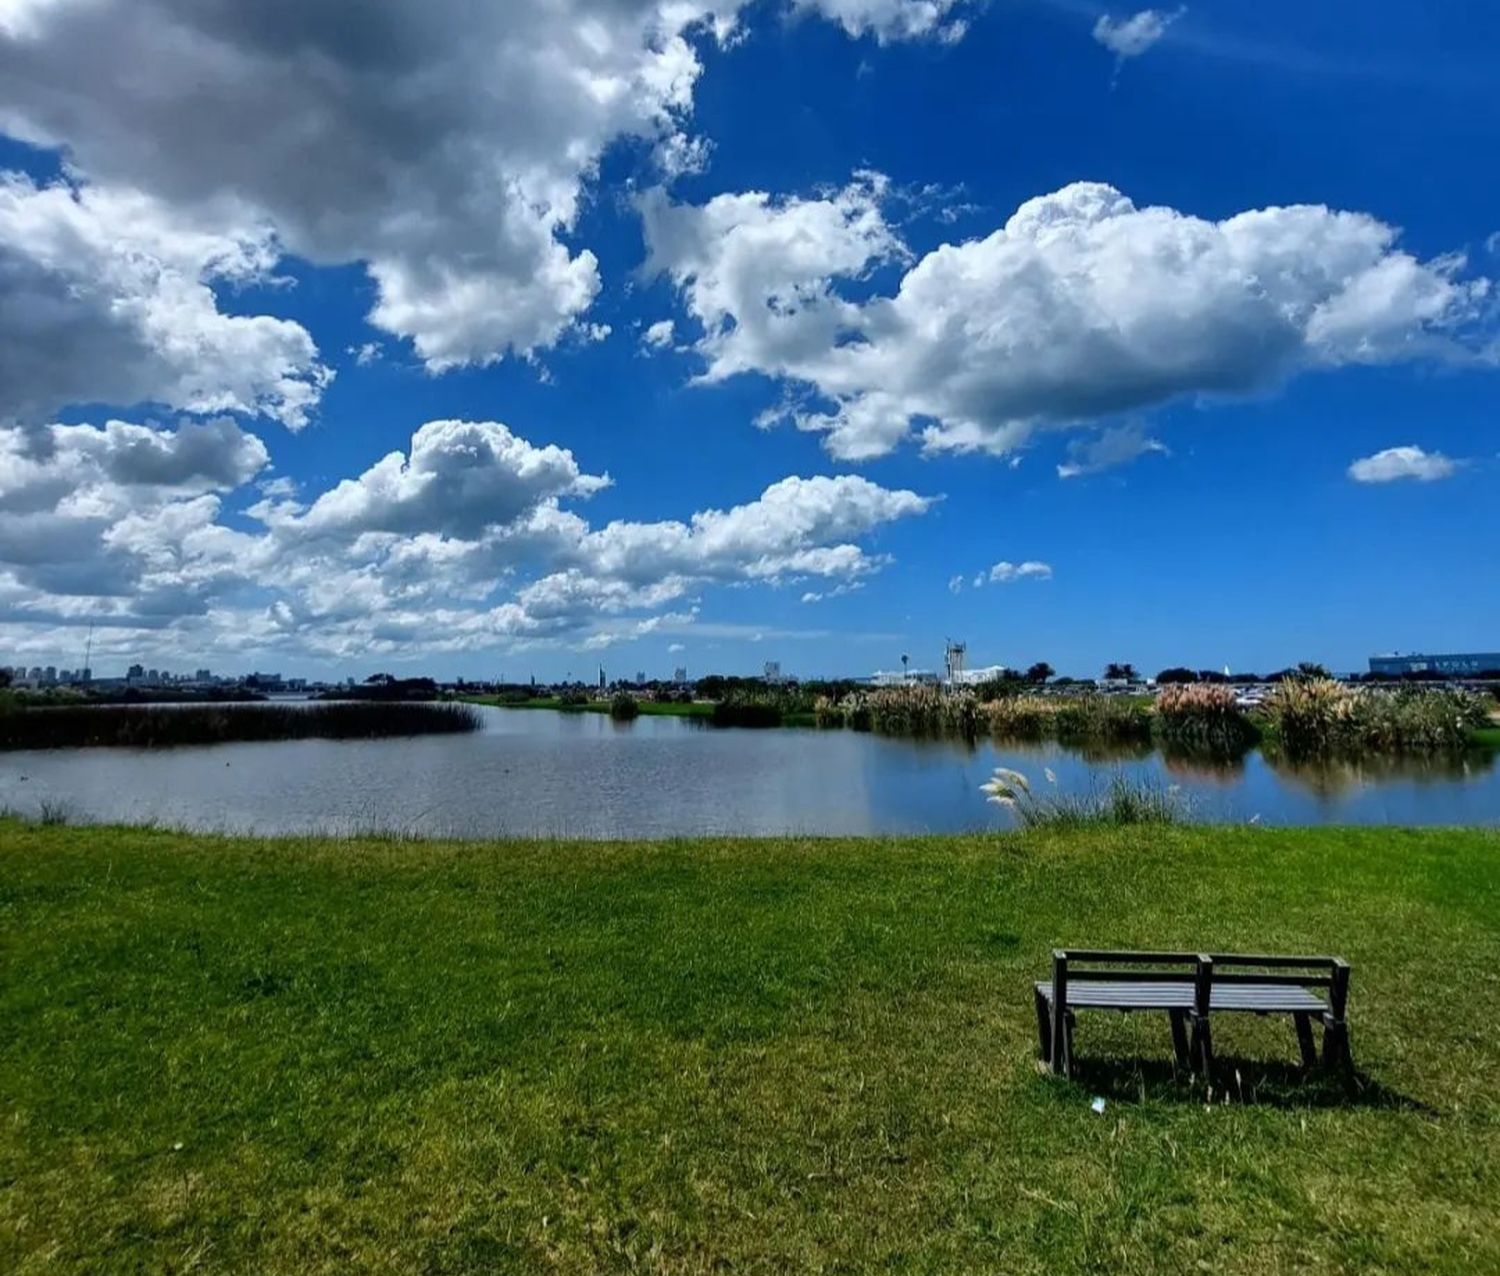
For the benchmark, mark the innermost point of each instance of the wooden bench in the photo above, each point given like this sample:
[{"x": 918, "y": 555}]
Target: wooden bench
[{"x": 1191, "y": 988}]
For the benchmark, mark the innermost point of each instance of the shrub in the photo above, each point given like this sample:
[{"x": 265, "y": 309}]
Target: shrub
[{"x": 624, "y": 707}]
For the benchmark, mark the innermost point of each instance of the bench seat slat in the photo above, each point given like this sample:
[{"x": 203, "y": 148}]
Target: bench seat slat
[{"x": 1085, "y": 994}]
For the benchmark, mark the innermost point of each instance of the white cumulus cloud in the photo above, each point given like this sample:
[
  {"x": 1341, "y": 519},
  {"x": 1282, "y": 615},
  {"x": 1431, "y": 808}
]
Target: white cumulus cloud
[
  {"x": 1080, "y": 307},
  {"x": 445, "y": 145},
  {"x": 1006, "y": 573},
  {"x": 106, "y": 295},
  {"x": 462, "y": 542},
  {"x": 889, "y": 20},
  {"x": 1409, "y": 462}
]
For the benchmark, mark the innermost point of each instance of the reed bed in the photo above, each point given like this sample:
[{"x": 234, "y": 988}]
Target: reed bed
[
  {"x": 932, "y": 711},
  {"x": 155, "y": 727},
  {"x": 1203, "y": 718},
  {"x": 750, "y": 709},
  {"x": 1318, "y": 716}
]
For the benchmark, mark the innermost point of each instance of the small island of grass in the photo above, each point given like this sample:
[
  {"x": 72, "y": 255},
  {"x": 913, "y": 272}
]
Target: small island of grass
[{"x": 158, "y": 726}]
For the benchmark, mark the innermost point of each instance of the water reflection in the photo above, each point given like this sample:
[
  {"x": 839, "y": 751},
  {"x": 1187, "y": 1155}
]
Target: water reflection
[
  {"x": 583, "y": 775},
  {"x": 1204, "y": 768},
  {"x": 1329, "y": 777}
]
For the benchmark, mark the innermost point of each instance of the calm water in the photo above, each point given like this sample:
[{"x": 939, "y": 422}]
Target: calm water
[{"x": 536, "y": 772}]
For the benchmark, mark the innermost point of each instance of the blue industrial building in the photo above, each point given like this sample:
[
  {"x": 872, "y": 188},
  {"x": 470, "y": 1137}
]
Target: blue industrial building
[{"x": 1460, "y": 666}]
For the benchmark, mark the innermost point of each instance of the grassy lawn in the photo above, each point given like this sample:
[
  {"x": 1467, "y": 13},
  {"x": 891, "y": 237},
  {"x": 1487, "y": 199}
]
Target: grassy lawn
[{"x": 784, "y": 1056}]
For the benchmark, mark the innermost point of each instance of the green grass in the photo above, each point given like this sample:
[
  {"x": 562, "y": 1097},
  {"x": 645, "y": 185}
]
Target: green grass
[
  {"x": 1488, "y": 736},
  {"x": 649, "y": 708},
  {"x": 313, "y": 1056}
]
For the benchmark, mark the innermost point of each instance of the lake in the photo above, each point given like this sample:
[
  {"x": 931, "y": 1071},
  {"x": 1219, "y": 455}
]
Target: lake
[{"x": 535, "y": 772}]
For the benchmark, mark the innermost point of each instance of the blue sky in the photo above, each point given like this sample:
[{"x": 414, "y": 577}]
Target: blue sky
[{"x": 366, "y": 290}]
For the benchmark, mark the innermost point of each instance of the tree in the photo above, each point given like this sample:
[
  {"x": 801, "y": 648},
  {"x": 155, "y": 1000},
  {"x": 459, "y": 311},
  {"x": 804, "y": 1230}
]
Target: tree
[
  {"x": 1120, "y": 672},
  {"x": 1040, "y": 672},
  {"x": 1176, "y": 674}
]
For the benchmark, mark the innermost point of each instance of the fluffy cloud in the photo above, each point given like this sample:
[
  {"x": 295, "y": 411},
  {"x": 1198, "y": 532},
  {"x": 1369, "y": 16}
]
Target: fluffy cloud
[
  {"x": 444, "y": 144},
  {"x": 106, "y": 296},
  {"x": 1080, "y": 307},
  {"x": 1402, "y": 463},
  {"x": 1004, "y": 573},
  {"x": 460, "y": 478},
  {"x": 889, "y": 20},
  {"x": 119, "y": 521},
  {"x": 100, "y": 467},
  {"x": 1130, "y": 37},
  {"x": 460, "y": 543},
  {"x": 659, "y": 335},
  {"x": 757, "y": 273}
]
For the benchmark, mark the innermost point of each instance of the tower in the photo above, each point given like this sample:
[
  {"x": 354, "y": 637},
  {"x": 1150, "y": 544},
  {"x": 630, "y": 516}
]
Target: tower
[{"x": 954, "y": 660}]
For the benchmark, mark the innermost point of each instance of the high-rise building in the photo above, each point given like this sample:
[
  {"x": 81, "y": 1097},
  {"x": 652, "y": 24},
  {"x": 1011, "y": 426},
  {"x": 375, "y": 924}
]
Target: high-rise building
[{"x": 680, "y": 674}]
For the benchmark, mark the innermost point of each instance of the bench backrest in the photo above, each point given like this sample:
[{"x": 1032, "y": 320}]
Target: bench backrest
[{"x": 1204, "y": 970}]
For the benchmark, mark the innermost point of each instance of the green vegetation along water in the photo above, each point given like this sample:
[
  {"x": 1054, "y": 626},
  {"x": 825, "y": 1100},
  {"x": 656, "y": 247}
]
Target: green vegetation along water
[
  {"x": 311, "y": 1056},
  {"x": 163, "y": 726}
]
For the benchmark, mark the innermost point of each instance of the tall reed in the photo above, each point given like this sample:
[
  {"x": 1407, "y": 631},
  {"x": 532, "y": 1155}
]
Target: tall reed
[
  {"x": 1311, "y": 716},
  {"x": 148, "y": 727},
  {"x": 1121, "y": 803},
  {"x": 1203, "y": 718}
]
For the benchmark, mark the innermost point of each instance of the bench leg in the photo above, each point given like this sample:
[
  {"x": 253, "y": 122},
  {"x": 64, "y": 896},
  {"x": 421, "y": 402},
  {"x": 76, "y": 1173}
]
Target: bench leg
[
  {"x": 1305, "y": 1039},
  {"x": 1336, "y": 1052},
  {"x": 1203, "y": 1045},
  {"x": 1179, "y": 1037},
  {"x": 1043, "y": 1028},
  {"x": 1058, "y": 1055}
]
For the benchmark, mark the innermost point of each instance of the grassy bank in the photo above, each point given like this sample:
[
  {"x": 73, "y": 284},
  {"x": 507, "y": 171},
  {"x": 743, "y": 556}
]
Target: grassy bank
[
  {"x": 144, "y": 726},
  {"x": 311, "y": 1056}
]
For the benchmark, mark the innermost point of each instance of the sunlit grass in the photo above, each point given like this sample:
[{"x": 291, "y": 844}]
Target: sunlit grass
[{"x": 317, "y": 1056}]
